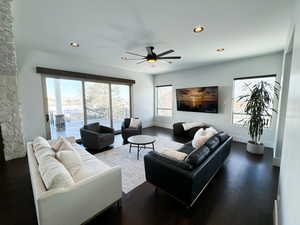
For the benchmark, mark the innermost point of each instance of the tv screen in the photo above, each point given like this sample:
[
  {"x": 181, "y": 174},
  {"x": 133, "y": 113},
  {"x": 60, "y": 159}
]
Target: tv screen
[{"x": 202, "y": 99}]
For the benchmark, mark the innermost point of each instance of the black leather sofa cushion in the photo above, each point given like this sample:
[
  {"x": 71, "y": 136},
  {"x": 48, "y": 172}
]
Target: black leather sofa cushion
[
  {"x": 222, "y": 136},
  {"x": 196, "y": 157},
  {"x": 187, "y": 148},
  {"x": 174, "y": 162},
  {"x": 213, "y": 143}
]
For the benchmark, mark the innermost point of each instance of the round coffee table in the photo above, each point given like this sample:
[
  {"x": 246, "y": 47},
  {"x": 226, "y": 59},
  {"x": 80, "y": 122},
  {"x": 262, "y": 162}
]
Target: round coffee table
[{"x": 140, "y": 141}]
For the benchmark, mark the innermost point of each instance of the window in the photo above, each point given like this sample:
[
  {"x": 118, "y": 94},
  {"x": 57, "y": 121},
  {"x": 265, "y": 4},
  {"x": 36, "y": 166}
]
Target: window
[
  {"x": 241, "y": 87},
  {"x": 164, "y": 101},
  {"x": 73, "y": 103}
]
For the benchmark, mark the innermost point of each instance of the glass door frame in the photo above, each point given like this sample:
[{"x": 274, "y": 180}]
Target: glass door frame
[{"x": 45, "y": 101}]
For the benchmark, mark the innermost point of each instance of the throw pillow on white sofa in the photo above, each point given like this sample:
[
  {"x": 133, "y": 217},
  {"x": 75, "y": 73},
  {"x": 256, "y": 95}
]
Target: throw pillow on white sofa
[
  {"x": 71, "y": 160},
  {"x": 54, "y": 174},
  {"x": 62, "y": 143},
  {"x": 202, "y": 136}
]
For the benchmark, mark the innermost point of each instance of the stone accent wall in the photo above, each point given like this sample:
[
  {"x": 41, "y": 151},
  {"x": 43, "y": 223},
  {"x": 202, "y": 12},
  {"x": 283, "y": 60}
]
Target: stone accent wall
[{"x": 10, "y": 116}]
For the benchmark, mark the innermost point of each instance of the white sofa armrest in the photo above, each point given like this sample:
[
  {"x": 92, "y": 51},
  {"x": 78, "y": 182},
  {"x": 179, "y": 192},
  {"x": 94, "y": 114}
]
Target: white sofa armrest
[{"x": 74, "y": 205}]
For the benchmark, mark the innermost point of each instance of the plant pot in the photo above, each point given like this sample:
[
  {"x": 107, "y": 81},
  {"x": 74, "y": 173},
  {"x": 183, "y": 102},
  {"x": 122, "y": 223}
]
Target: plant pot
[{"x": 253, "y": 148}]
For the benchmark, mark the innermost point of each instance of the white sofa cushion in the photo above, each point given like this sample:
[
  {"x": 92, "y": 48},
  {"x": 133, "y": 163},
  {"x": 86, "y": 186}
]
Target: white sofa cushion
[
  {"x": 187, "y": 126},
  {"x": 40, "y": 143},
  {"x": 202, "y": 136},
  {"x": 90, "y": 166},
  {"x": 44, "y": 153},
  {"x": 54, "y": 174},
  {"x": 42, "y": 149}
]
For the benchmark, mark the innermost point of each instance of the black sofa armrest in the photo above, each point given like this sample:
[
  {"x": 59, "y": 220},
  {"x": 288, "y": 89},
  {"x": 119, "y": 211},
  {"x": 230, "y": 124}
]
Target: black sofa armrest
[
  {"x": 178, "y": 129},
  {"x": 169, "y": 177},
  {"x": 104, "y": 129},
  {"x": 205, "y": 172},
  {"x": 140, "y": 127}
]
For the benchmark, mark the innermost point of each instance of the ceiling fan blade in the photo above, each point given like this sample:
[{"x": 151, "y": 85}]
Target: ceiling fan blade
[
  {"x": 150, "y": 50},
  {"x": 171, "y": 57},
  {"x": 141, "y": 62},
  {"x": 165, "y": 53},
  {"x": 168, "y": 62},
  {"x": 131, "y": 53},
  {"x": 135, "y": 59}
]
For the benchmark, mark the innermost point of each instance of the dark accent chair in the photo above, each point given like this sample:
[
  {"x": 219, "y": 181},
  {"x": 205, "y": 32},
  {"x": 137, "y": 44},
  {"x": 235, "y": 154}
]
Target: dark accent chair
[
  {"x": 96, "y": 137},
  {"x": 186, "y": 135},
  {"x": 185, "y": 180},
  {"x": 127, "y": 131}
]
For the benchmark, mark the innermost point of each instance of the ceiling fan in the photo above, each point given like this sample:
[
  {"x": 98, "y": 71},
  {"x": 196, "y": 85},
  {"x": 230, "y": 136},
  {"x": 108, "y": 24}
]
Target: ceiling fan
[{"x": 151, "y": 56}]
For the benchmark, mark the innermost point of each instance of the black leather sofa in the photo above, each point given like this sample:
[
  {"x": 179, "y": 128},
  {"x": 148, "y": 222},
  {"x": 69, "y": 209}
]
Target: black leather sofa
[
  {"x": 187, "y": 135},
  {"x": 185, "y": 180},
  {"x": 127, "y": 131},
  {"x": 96, "y": 137}
]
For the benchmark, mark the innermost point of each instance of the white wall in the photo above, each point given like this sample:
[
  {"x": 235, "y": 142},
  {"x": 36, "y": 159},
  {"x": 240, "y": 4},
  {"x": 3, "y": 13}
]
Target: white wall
[
  {"x": 281, "y": 118},
  {"x": 31, "y": 87},
  {"x": 289, "y": 184},
  {"x": 221, "y": 75}
]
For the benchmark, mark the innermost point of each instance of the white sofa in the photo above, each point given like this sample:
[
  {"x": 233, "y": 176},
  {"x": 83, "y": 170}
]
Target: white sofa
[{"x": 78, "y": 203}]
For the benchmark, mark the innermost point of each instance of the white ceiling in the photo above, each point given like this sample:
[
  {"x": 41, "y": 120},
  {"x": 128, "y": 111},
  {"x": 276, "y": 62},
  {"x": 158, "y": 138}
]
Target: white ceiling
[{"x": 107, "y": 29}]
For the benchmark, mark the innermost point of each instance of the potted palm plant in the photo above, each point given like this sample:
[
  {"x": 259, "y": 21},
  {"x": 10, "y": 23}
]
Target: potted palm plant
[{"x": 259, "y": 107}]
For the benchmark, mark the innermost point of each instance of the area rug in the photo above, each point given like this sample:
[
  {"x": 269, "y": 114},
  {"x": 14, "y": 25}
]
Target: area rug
[{"x": 133, "y": 171}]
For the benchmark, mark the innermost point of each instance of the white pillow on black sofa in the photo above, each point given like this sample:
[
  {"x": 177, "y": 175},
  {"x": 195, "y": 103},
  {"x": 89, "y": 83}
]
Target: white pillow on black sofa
[
  {"x": 134, "y": 123},
  {"x": 173, "y": 154},
  {"x": 202, "y": 136},
  {"x": 188, "y": 126}
]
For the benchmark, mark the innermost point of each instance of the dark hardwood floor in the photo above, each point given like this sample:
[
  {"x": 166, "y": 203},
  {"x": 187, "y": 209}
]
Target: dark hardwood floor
[{"x": 241, "y": 193}]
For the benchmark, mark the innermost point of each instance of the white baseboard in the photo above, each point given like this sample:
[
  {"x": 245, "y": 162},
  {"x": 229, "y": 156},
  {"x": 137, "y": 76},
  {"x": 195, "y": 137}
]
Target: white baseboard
[
  {"x": 163, "y": 124},
  {"x": 147, "y": 124},
  {"x": 276, "y": 162},
  {"x": 275, "y": 213}
]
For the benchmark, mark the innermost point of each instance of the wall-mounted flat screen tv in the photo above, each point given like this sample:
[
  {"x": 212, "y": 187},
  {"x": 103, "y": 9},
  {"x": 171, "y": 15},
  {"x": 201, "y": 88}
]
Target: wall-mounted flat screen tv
[{"x": 202, "y": 99}]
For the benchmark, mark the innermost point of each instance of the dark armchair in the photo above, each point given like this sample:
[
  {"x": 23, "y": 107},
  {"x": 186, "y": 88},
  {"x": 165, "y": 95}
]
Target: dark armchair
[
  {"x": 96, "y": 137},
  {"x": 129, "y": 131}
]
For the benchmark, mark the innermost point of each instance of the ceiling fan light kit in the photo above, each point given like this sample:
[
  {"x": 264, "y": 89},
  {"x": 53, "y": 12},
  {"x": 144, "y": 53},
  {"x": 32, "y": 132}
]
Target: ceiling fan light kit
[{"x": 151, "y": 56}]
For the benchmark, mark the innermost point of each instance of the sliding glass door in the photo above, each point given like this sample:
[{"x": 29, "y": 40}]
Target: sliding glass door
[
  {"x": 120, "y": 104},
  {"x": 72, "y": 103},
  {"x": 65, "y": 107},
  {"x": 97, "y": 101}
]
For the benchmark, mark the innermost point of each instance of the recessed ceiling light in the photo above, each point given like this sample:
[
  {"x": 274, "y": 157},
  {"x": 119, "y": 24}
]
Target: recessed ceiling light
[
  {"x": 74, "y": 44},
  {"x": 124, "y": 58},
  {"x": 198, "y": 29},
  {"x": 220, "y": 49}
]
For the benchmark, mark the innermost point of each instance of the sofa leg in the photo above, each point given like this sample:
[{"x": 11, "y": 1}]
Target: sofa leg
[
  {"x": 188, "y": 207},
  {"x": 119, "y": 203}
]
